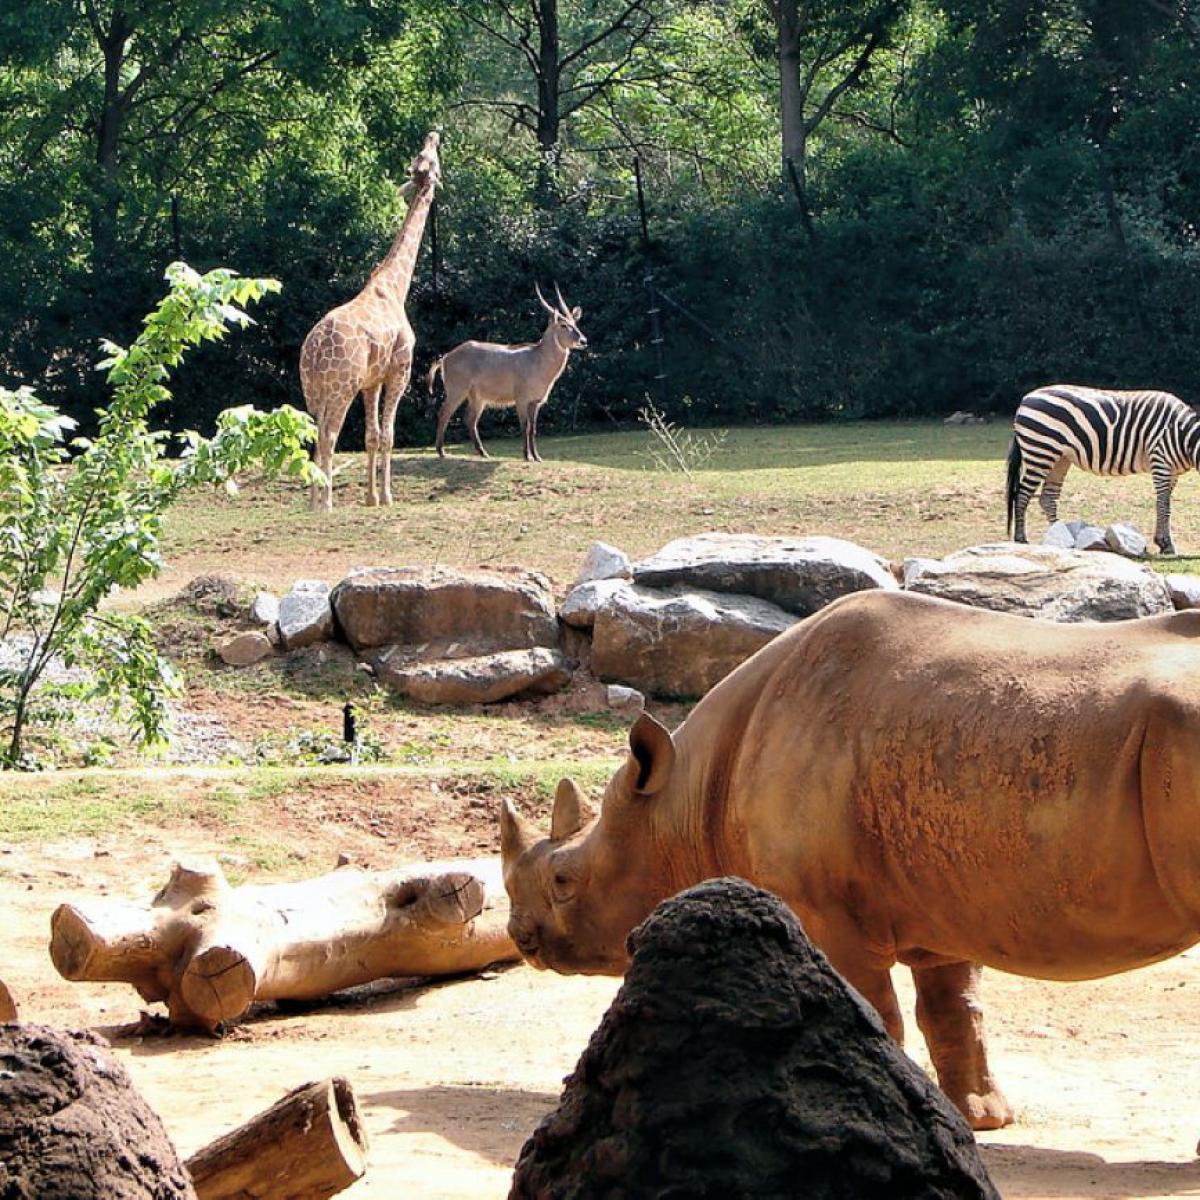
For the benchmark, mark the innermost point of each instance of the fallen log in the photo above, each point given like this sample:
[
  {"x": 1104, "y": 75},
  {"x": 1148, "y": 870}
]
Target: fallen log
[
  {"x": 8, "y": 1006},
  {"x": 309, "y": 1145},
  {"x": 209, "y": 949}
]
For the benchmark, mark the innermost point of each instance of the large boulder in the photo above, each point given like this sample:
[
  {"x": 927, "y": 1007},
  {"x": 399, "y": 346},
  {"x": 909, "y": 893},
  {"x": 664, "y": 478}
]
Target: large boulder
[
  {"x": 800, "y": 575},
  {"x": 72, "y": 1126},
  {"x": 305, "y": 617},
  {"x": 583, "y": 601},
  {"x": 603, "y": 561},
  {"x": 477, "y": 679},
  {"x": 1042, "y": 581},
  {"x": 677, "y": 642},
  {"x": 489, "y": 610},
  {"x": 735, "y": 1061}
]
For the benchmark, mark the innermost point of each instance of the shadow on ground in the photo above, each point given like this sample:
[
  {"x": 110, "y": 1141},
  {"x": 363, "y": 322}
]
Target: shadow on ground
[
  {"x": 1037, "y": 1171},
  {"x": 481, "y": 1119}
]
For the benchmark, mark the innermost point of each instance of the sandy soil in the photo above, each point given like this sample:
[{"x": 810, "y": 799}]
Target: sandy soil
[{"x": 453, "y": 1076}]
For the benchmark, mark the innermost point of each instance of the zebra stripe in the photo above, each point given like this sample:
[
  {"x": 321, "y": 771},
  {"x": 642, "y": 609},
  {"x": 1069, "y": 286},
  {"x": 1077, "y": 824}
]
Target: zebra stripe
[{"x": 1107, "y": 433}]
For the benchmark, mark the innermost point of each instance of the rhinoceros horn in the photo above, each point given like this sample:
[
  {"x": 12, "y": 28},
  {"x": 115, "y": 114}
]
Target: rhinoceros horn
[
  {"x": 570, "y": 811},
  {"x": 516, "y": 833}
]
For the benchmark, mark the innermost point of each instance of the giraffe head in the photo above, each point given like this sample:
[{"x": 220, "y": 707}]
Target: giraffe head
[
  {"x": 564, "y": 321},
  {"x": 425, "y": 171}
]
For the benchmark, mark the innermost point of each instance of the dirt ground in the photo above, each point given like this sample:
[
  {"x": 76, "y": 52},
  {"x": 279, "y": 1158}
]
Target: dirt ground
[{"x": 453, "y": 1076}]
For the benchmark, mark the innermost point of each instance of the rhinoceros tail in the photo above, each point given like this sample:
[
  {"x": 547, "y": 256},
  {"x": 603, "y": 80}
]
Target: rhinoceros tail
[{"x": 1014, "y": 480}]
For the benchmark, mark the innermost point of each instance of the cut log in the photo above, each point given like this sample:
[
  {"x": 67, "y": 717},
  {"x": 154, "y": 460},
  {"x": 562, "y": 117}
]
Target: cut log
[
  {"x": 8, "y": 1006},
  {"x": 309, "y": 1145},
  {"x": 209, "y": 950}
]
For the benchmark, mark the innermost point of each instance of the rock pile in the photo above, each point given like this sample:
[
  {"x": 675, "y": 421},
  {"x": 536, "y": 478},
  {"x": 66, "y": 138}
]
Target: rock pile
[
  {"x": 735, "y": 1062},
  {"x": 72, "y": 1127}
]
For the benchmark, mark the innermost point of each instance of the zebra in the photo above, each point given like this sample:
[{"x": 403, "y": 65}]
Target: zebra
[{"x": 1109, "y": 433}]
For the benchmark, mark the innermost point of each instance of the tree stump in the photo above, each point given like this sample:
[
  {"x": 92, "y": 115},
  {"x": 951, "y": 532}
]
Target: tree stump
[
  {"x": 72, "y": 1125},
  {"x": 309, "y": 1145},
  {"x": 8, "y": 1006},
  {"x": 209, "y": 950}
]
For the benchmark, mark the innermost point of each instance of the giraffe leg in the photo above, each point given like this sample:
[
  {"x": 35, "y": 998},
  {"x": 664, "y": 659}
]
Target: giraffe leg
[
  {"x": 950, "y": 1017},
  {"x": 451, "y": 405},
  {"x": 387, "y": 434},
  {"x": 371, "y": 412},
  {"x": 322, "y": 494},
  {"x": 1164, "y": 485}
]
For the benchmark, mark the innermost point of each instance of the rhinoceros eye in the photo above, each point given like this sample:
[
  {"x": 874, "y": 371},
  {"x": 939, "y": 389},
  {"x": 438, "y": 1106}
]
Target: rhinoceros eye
[{"x": 563, "y": 886}]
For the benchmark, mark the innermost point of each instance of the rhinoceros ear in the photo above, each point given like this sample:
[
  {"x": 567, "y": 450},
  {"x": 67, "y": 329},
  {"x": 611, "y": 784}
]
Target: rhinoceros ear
[
  {"x": 516, "y": 834},
  {"x": 570, "y": 811},
  {"x": 652, "y": 755}
]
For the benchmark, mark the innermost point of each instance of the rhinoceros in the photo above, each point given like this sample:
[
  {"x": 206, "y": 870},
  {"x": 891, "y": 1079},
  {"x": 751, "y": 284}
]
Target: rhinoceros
[{"x": 922, "y": 783}]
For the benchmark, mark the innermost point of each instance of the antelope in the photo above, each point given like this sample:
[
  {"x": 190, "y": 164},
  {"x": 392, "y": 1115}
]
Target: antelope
[{"x": 489, "y": 375}]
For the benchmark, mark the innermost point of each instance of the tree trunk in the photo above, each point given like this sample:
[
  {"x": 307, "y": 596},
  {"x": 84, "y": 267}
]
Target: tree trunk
[
  {"x": 549, "y": 119},
  {"x": 791, "y": 97},
  {"x": 209, "y": 950},
  {"x": 106, "y": 202},
  {"x": 309, "y": 1145}
]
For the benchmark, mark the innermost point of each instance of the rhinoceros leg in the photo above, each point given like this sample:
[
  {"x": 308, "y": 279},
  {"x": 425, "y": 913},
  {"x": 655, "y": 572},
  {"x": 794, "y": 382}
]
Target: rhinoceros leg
[{"x": 951, "y": 1018}]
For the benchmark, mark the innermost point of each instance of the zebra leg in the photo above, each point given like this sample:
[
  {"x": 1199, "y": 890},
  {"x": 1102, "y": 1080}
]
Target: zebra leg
[
  {"x": 1031, "y": 479},
  {"x": 1052, "y": 489},
  {"x": 1164, "y": 485}
]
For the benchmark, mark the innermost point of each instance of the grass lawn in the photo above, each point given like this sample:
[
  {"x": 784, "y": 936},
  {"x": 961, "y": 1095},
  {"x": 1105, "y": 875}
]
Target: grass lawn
[{"x": 898, "y": 488}]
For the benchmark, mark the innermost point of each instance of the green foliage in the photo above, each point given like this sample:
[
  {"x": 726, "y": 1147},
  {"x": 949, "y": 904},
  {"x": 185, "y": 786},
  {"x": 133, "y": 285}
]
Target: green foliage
[
  {"x": 73, "y": 532},
  {"x": 1008, "y": 193}
]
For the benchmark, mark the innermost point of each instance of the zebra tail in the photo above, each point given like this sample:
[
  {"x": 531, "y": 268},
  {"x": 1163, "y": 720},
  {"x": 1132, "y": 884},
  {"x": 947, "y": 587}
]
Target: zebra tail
[{"x": 1014, "y": 479}]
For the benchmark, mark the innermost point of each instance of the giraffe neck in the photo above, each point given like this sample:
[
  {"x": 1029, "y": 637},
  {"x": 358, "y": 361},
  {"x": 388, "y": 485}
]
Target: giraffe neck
[{"x": 395, "y": 272}]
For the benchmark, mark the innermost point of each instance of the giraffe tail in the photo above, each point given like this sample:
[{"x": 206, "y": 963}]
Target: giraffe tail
[{"x": 1014, "y": 479}]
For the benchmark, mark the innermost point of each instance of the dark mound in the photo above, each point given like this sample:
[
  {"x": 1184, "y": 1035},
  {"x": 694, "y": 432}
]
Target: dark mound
[
  {"x": 735, "y": 1062},
  {"x": 73, "y": 1128}
]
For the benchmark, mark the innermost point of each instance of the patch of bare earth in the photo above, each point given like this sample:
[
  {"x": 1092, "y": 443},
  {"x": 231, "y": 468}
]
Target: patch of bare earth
[{"x": 453, "y": 1076}]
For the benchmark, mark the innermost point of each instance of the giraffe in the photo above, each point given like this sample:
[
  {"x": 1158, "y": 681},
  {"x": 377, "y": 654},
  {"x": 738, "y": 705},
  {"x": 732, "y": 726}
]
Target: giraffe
[{"x": 366, "y": 345}]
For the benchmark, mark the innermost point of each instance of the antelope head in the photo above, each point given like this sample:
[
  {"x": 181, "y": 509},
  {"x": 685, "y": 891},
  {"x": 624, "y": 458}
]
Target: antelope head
[{"x": 564, "y": 321}]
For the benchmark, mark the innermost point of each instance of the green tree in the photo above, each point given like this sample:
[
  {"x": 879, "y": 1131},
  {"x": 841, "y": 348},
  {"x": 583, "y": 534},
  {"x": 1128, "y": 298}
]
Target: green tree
[{"x": 73, "y": 528}]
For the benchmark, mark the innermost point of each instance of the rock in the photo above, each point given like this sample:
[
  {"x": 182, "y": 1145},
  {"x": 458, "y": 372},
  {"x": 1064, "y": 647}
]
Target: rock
[
  {"x": 603, "y": 561},
  {"x": 1089, "y": 537},
  {"x": 264, "y": 609},
  {"x": 964, "y": 418},
  {"x": 677, "y": 642},
  {"x": 735, "y": 1061},
  {"x": 478, "y": 679},
  {"x": 1184, "y": 590},
  {"x": 800, "y": 575},
  {"x": 582, "y": 602},
  {"x": 305, "y": 615},
  {"x": 72, "y": 1125},
  {"x": 490, "y": 610},
  {"x": 624, "y": 699},
  {"x": 1126, "y": 540},
  {"x": 1059, "y": 534},
  {"x": 912, "y": 568},
  {"x": 1042, "y": 581},
  {"x": 8, "y": 1006},
  {"x": 245, "y": 649}
]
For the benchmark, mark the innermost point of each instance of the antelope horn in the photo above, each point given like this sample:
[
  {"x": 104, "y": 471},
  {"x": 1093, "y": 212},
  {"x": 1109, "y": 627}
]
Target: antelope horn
[
  {"x": 562, "y": 304},
  {"x": 545, "y": 303}
]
